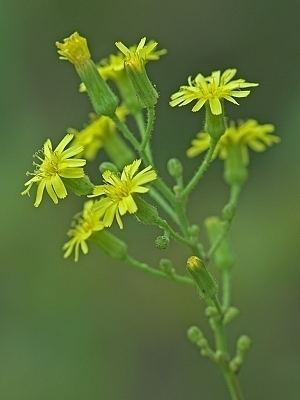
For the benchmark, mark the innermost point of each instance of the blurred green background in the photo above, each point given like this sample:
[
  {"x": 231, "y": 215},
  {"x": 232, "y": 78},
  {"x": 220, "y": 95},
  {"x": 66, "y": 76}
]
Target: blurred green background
[{"x": 96, "y": 329}]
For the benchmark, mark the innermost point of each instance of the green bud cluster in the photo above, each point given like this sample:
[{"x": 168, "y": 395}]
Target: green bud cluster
[{"x": 243, "y": 346}]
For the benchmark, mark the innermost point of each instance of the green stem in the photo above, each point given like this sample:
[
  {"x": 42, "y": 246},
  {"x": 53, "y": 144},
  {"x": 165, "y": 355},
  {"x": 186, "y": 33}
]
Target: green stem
[
  {"x": 163, "y": 204},
  {"x": 201, "y": 170},
  {"x": 132, "y": 262},
  {"x": 226, "y": 281},
  {"x": 149, "y": 128},
  {"x": 126, "y": 132},
  {"x": 163, "y": 224},
  {"x": 139, "y": 119},
  {"x": 229, "y": 213},
  {"x": 223, "y": 361}
]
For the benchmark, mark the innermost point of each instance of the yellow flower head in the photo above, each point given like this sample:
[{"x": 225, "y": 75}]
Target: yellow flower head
[
  {"x": 92, "y": 137},
  {"x": 112, "y": 67},
  {"x": 248, "y": 134},
  {"x": 54, "y": 165},
  {"x": 85, "y": 224},
  {"x": 212, "y": 89},
  {"x": 135, "y": 57},
  {"x": 74, "y": 49},
  {"x": 119, "y": 190}
]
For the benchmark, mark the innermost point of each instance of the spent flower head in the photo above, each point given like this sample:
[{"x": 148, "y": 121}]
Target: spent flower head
[
  {"x": 54, "y": 165},
  {"x": 84, "y": 225},
  {"x": 118, "y": 191},
  {"x": 74, "y": 49},
  {"x": 212, "y": 90},
  {"x": 248, "y": 134}
]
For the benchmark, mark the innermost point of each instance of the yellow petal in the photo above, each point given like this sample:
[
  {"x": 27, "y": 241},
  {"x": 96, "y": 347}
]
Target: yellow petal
[
  {"x": 215, "y": 106},
  {"x": 59, "y": 187},
  {"x": 64, "y": 142},
  {"x": 39, "y": 193}
]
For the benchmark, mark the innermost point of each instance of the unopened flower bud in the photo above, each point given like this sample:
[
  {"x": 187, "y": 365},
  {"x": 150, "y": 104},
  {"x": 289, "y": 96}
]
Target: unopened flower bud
[
  {"x": 146, "y": 213},
  {"x": 244, "y": 343},
  {"x": 194, "y": 230},
  {"x": 231, "y": 314},
  {"x": 202, "y": 277},
  {"x": 108, "y": 166},
  {"x": 194, "y": 334},
  {"x": 175, "y": 168},
  {"x": 166, "y": 266},
  {"x": 162, "y": 242}
]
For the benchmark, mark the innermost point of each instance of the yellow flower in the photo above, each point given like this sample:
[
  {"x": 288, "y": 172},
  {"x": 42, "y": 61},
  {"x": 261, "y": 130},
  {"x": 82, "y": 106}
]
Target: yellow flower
[
  {"x": 74, "y": 49},
  {"x": 55, "y": 164},
  {"x": 119, "y": 191},
  {"x": 86, "y": 223},
  {"x": 137, "y": 56},
  {"x": 211, "y": 89},
  {"x": 248, "y": 134},
  {"x": 93, "y": 136}
]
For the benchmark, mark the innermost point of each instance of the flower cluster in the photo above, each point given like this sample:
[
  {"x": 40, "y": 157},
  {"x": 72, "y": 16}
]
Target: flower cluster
[
  {"x": 248, "y": 134},
  {"x": 61, "y": 168},
  {"x": 54, "y": 165},
  {"x": 212, "y": 90}
]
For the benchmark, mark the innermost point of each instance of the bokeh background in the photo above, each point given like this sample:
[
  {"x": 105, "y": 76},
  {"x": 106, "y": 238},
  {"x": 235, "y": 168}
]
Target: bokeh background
[{"x": 96, "y": 329}]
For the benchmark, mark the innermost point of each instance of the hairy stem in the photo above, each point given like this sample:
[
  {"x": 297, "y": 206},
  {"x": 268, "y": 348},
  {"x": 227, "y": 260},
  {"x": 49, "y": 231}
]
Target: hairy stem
[
  {"x": 149, "y": 128},
  {"x": 201, "y": 170}
]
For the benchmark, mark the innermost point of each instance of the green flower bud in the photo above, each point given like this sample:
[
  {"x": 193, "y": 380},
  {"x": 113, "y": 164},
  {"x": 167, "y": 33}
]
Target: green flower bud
[
  {"x": 162, "y": 242},
  {"x": 223, "y": 256},
  {"x": 166, "y": 266},
  {"x": 194, "y": 334},
  {"x": 194, "y": 230},
  {"x": 211, "y": 311},
  {"x": 107, "y": 166},
  {"x": 146, "y": 213},
  {"x": 231, "y": 314},
  {"x": 110, "y": 244},
  {"x": 79, "y": 186},
  {"x": 175, "y": 168},
  {"x": 244, "y": 343},
  {"x": 202, "y": 277}
]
